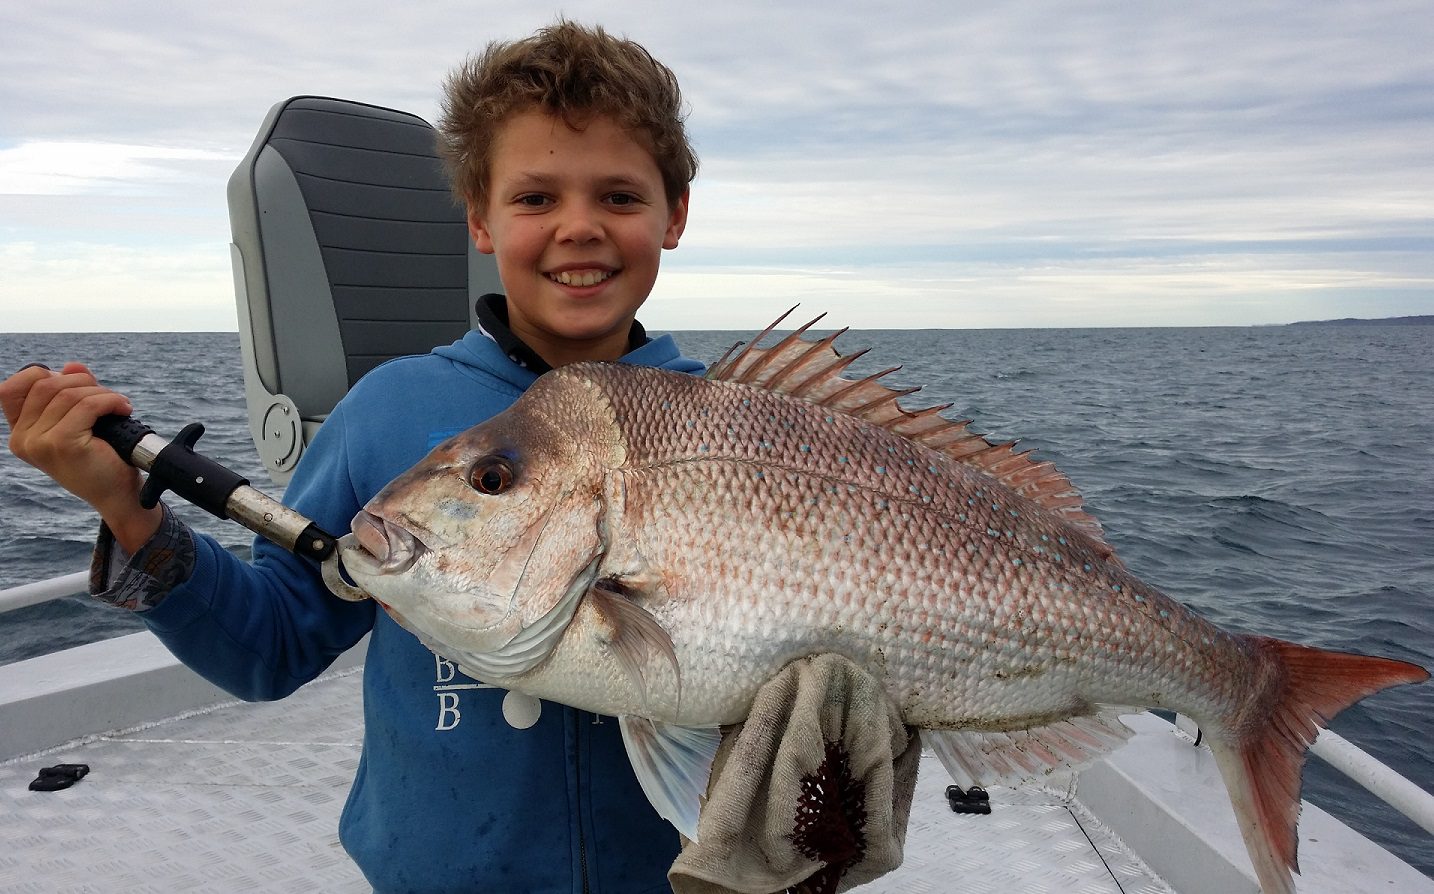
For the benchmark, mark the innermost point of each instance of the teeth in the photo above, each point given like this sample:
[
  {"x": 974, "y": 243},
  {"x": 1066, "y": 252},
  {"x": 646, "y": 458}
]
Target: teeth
[{"x": 581, "y": 277}]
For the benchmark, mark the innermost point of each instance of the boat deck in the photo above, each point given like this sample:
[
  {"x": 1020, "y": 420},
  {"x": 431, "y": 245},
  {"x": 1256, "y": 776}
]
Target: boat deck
[{"x": 246, "y": 797}]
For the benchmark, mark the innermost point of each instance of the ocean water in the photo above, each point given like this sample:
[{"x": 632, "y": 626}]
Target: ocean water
[{"x": 1278, "y": 480}]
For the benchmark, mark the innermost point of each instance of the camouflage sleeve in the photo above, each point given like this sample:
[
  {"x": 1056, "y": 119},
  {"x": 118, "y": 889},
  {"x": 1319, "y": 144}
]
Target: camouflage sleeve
[{"x": 140, "y": 582}]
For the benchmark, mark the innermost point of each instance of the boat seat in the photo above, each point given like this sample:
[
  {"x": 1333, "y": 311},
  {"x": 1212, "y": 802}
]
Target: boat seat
[{"x": 348, "y": 249}]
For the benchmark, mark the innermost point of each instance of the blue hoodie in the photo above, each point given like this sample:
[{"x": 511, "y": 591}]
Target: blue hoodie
[{"x": 448, "y": 795}]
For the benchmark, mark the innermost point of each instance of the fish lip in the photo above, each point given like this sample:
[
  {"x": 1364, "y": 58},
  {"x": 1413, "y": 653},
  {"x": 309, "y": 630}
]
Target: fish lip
[{"x": 393, "y": 547}]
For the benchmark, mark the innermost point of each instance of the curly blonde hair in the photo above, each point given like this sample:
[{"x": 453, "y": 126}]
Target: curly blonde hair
[{"x": 573, "y": 72}]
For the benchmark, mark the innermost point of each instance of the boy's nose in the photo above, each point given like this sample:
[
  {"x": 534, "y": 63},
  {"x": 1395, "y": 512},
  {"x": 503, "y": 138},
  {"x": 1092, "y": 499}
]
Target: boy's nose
[{"x": 579, "y": 224}]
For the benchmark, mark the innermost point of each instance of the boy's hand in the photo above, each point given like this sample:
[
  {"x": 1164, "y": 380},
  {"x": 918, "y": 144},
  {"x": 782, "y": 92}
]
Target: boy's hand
[{"x": 51, "y": 415}]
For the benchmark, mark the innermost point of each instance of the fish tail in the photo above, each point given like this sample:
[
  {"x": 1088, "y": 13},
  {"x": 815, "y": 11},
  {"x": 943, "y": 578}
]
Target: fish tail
[{"x": 1262, "y": 761}]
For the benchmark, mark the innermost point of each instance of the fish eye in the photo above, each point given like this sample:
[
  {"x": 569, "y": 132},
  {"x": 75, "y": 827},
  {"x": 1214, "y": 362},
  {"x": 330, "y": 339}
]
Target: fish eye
[{"x": 491, "y": 476}]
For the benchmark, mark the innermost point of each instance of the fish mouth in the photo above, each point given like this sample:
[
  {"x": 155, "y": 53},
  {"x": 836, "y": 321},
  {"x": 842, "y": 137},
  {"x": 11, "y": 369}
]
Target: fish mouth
[{"x": 391, "y": 546}]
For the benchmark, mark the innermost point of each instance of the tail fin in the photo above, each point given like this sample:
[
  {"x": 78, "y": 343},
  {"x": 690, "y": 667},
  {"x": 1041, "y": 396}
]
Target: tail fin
[{"x": 1262, "y": 765}]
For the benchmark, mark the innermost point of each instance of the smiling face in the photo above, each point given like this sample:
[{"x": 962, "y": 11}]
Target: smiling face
[{"x": 578, "y": 220}]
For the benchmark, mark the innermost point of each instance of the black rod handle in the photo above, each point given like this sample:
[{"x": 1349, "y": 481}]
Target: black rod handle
[{"x": 123, "y": 433}]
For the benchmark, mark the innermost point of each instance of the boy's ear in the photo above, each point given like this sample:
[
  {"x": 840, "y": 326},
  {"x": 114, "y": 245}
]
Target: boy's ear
[
  {"x": 478, "y": 232},
  {"x": 677, "y": 222}
]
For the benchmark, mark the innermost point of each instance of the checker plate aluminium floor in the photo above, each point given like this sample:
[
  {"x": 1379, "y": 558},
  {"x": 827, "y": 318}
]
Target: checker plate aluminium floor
[{"x": 246, "y": 797}]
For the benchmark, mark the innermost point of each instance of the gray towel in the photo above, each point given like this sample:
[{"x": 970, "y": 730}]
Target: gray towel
[{"x": 811, "y": 793}]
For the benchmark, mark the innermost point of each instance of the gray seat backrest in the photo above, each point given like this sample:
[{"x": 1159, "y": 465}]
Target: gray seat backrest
[{"x": 348, "y": 250}]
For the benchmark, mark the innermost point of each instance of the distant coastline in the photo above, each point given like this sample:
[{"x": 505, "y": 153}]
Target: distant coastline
[{"x": 1425, "y": 320}]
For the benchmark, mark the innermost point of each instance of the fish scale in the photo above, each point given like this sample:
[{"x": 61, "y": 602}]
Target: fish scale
[{"x": 655, "y": 546}]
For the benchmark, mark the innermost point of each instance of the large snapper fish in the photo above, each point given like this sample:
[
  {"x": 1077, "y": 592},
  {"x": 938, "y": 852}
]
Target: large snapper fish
[{"x": 656, "y": 546}]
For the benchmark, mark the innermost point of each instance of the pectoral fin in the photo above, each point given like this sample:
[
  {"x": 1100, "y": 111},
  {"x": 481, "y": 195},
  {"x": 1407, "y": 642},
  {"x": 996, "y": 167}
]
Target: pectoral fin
[
  {"x": 634, "y": 637},
  {"x": 673, "y": 764}
]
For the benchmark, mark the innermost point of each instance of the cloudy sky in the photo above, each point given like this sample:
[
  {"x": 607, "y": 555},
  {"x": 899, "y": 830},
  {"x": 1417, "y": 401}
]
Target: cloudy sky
[{"x": 917, "y": 164}]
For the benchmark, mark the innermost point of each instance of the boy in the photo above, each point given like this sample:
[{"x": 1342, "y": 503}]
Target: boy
[{"x": 569, "y": 151}]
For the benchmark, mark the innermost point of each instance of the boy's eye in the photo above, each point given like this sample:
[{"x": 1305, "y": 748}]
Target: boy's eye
[
  {"x": 622, "y": 199},
  {"x": 532, "y": 200}
]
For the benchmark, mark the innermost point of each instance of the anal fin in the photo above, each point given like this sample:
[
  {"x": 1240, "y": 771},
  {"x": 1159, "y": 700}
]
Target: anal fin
[{"x": 981, "y": 758}]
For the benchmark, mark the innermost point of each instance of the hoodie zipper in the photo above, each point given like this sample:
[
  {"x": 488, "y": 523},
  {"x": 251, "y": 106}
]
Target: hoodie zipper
[{"x": 578, "y": 777}]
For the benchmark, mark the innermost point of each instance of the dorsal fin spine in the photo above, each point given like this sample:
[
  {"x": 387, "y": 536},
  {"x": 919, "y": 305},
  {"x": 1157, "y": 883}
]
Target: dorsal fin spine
[
  {"x": 825, "y": 368},
  {"x": 814, "y": 351},
  {"x": 711, "y": 370},
  {"x": 835, "y": 400},
  {"x": 832, "y": 372},
  {"x": 754, "y": 372},
  {"x": 891, "y": 398},
  {"x": 751, "y": 346}
]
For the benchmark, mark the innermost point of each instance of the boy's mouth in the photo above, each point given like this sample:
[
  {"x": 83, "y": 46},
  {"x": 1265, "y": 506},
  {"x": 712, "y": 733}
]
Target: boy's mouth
[{"x": 581, "y": 278}]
